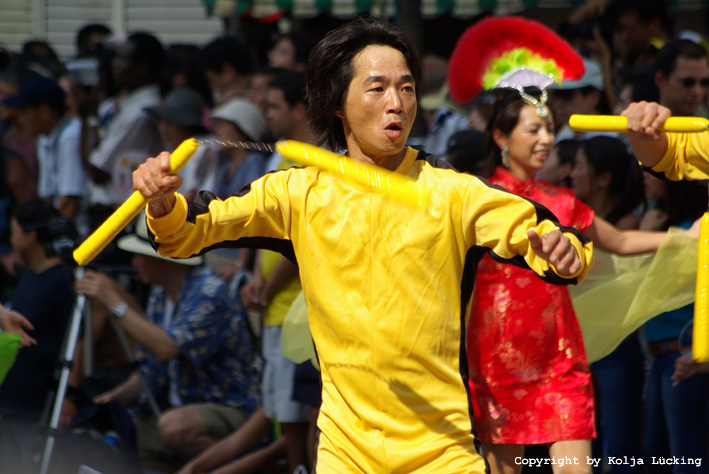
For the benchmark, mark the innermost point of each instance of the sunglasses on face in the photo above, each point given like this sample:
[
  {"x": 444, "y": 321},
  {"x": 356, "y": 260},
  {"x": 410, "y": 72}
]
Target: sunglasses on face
[{"x": 689, "y": 82}]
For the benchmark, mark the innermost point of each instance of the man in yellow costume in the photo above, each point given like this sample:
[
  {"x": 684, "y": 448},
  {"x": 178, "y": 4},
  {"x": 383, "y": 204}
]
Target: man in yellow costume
[
  {"x": 387, "y": 285},
  {"x": 677, "y": 155}
]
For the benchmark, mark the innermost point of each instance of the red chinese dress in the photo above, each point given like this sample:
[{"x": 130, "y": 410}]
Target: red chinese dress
[{"x": 529, "y": 379}]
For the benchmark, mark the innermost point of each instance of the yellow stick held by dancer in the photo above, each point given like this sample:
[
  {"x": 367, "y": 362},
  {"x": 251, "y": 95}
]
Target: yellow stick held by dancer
[
  {"x": 121, "y": 217},
  {"x": 397, "y": 186},
  {"x": 618, "y": 123}
]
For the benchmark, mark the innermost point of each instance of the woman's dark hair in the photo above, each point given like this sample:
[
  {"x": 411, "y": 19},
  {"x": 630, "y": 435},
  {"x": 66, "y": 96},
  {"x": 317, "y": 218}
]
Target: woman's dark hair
[
  {"x": 330, "y": 71},
  {"x": 609, "y": 155},
  {"x": 685, "y": 201},
  {"x": 57, "y": 234},
  {"x": 566, "y": 151},
  {"x": 505, "y": 115}
]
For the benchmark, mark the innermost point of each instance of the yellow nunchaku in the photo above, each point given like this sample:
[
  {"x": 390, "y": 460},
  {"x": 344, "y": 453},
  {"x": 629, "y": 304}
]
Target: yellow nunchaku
[
  {"x": 395, "y": 185},
  {"x": 617, "y": 123}
]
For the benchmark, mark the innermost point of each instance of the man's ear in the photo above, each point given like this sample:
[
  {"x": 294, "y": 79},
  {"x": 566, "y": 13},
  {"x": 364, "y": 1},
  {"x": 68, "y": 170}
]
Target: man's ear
[{"x": 499, "y": 138}]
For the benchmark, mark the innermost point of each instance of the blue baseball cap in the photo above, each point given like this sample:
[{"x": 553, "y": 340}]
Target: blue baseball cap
[{"x": 37, "y": 90}]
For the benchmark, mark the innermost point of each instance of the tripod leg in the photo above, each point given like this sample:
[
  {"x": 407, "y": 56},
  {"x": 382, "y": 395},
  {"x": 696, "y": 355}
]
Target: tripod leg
[{"x": 71, "y": 339}]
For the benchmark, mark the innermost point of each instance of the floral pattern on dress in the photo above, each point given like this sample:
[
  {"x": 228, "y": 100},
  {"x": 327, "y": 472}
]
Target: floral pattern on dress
[{"x": 529, "y": 378}]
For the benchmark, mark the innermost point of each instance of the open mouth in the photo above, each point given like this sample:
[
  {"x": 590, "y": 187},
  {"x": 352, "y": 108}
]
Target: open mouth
[{"x": 394, "y": 126}]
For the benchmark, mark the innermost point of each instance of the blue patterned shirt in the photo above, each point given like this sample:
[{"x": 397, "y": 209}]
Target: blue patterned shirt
[{"x": 218, "y": 361}]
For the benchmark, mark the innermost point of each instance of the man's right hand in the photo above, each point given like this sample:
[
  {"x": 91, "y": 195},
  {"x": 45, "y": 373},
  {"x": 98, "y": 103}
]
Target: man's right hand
[
  {"x": 644, "y": 124},
  {"x": 646, "y": 119},
  {"x": 156, "y": 182}
]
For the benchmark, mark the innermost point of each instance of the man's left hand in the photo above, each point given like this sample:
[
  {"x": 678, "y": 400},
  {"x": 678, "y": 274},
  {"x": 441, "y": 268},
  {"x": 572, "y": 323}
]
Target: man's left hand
[{"x": 556, "y": 248}]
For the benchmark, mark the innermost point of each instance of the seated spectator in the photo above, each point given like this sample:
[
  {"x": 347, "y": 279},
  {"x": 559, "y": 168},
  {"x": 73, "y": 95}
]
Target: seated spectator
[
  {"x": 200, "y": 361},
  {"x": 45, "y": 297},
  {"x": 62, "y": 180}
]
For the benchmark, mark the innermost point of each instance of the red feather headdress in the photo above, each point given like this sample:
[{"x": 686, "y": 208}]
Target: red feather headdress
[{"x": 510, "y": 52}]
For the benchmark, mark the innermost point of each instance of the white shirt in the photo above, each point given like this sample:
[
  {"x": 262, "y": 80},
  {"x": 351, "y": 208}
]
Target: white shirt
[{"x": 130, "y": 139}]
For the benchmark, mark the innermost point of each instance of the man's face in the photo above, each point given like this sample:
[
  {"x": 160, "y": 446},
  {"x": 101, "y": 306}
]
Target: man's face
[
  {"x": 686, "y": 87},
  {"x": 280, "y": 118},
  {"x": 122, "y": 64},
  {"x": 147, "y": 268},
  {"x": 380, "y": 106},
  {"x": 218, "y": 80},
  {"x": 571, "y": 101},
  {"x": 258, "y": 88}
]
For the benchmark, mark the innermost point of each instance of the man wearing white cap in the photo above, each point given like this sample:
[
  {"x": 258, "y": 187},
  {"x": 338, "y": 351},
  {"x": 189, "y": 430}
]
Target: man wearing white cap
[{"x": 199, "y": 357}]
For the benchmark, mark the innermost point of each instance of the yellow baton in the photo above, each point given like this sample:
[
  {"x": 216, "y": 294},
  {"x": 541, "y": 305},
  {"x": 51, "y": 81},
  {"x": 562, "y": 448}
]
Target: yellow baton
[
  {"x": 127, "y": 211},
  {"x": 700, "y": 331},
  {"x": 619, "y": 123},
  {"x": 398, "y": 186}
]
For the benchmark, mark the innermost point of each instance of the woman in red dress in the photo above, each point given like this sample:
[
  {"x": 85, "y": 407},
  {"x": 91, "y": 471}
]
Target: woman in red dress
[{"x": 529, "y": 378}]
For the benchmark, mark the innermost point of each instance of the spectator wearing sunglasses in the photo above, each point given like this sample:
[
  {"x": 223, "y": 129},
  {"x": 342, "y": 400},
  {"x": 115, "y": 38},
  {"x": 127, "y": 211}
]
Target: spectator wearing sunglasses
[{"x": 682, "y": 76}]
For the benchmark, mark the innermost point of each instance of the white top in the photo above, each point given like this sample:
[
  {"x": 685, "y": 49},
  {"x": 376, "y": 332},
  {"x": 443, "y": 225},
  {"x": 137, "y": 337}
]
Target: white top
[
  {"x": 130, "y": 139},
  {"x": 61, "y": 172}
]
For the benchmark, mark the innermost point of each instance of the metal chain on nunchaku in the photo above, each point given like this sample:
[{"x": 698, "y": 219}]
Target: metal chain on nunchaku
[
  {"x": 612, "y": 123},
  {"x": 395, "y": 185}
]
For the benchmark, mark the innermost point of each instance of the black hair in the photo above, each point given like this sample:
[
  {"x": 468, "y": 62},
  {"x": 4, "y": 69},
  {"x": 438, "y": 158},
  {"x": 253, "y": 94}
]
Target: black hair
[
  {"x": 293, "y": 86},
  {"x": 184, "y": 59},
  {"x": 666, "y": 60},
  {"x": 148, "y": 50},
  {"x": 466, "y": 152},
  {"x": 83, "y": 36},
  {"x": 302, "y": 44},
  {"x": 330, "y": 71},
  {"x": 646, "y": 10},
  {"x": 609, "y": 155},
  {"x": 228, "y": 50},
  {"x": 643, "y": 82},
  {"x": 566, "y": 151},
  {"x": 17, "y": 75},
  {"x": 57, "y": 234}
]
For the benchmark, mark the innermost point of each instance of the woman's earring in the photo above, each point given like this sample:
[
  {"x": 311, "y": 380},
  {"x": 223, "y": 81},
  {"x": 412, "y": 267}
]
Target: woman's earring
[{"x": 505, "y": 154}]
